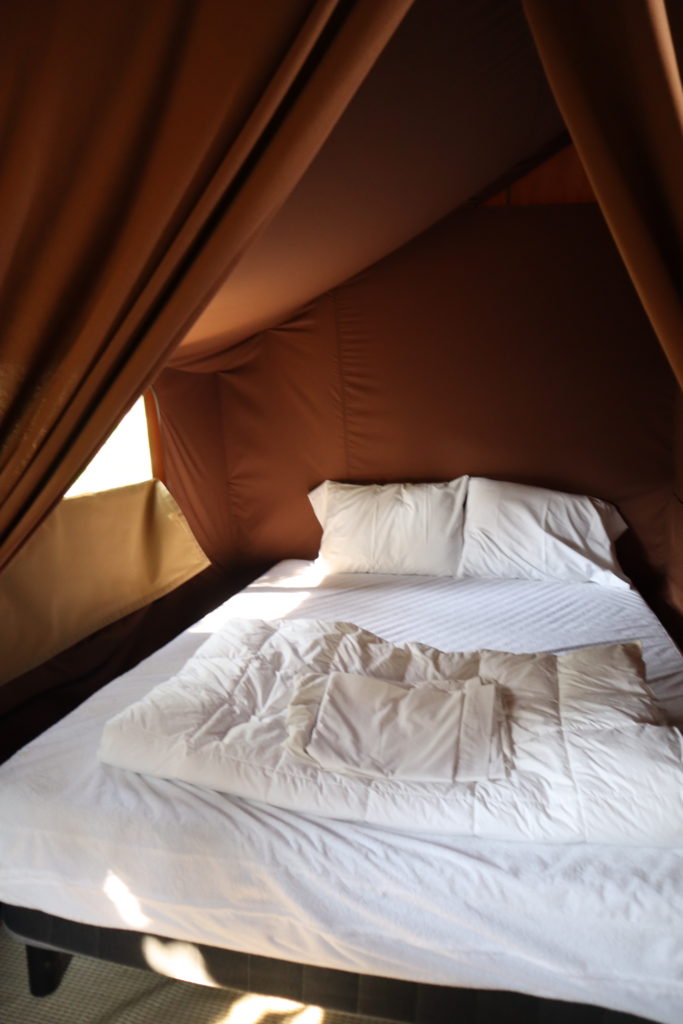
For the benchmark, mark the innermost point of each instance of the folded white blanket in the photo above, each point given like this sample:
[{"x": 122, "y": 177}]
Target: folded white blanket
[
  {"x": 592, "y": 760},
  {"x": 360, "y": 725}
]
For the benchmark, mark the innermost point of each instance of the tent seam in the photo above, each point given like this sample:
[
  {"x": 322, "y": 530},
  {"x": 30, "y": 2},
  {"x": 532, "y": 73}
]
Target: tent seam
[
  {"x": 342, "y": 381},
  {"x": 232, "y": 504}
]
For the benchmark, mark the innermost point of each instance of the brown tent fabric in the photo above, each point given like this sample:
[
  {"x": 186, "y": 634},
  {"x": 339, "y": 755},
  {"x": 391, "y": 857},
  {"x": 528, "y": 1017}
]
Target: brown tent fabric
[
  {"x": 106, "y": 555},
  {"x": 505, "y": 341},
  {"x": 615, "y": 73},
  {"x": 456, "y": 101},
  {"x": 145, "y": 145},
  {"x": 676, "y": 517}
]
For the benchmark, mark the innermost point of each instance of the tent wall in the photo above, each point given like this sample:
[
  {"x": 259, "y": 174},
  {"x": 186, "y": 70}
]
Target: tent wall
[
  {"x": 109, "y": 554},
  {"x": 559, "y": 179},
  {"x": 505, "y": 341},
  {"x": 457, "y": 101},
  {"x": 675, "y": 574}
]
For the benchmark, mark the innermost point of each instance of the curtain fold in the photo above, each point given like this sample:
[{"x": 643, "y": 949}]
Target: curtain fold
[
  {"x": 614, "y": 69},
  {"x": 145, "y": 146}
]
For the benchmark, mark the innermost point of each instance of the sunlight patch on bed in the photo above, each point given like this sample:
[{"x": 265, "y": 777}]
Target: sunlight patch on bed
[
  {"x": 266, "y": 599},
  {"x": 127, "y": 905},
  {"x": 310, "y": 574},
  {"x": 267, "y": 604}
]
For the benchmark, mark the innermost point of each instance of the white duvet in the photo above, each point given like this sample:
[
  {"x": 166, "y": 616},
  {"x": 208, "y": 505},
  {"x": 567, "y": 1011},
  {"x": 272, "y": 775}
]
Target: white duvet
[{"x": 575, "y": 752}]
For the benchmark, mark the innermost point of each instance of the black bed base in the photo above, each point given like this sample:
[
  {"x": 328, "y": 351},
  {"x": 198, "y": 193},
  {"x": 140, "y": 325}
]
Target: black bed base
[{"x": 51, "y": 942}]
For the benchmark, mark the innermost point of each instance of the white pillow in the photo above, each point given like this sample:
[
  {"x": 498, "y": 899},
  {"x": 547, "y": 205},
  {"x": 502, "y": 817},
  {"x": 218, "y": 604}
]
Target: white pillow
[
  {"x": 513, "y": 530},
  {"x": 416, "y": 529}
]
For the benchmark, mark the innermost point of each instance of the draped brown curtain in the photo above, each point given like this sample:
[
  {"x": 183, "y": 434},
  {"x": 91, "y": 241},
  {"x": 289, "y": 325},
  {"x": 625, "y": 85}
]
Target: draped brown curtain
[
  {"x": 614, "y": 66},
  {"x": 144, "y": 145}
]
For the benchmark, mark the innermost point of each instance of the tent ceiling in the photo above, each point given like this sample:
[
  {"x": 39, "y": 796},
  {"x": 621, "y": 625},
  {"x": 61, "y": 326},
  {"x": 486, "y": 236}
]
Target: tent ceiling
[{"x": 457, "y": 100}]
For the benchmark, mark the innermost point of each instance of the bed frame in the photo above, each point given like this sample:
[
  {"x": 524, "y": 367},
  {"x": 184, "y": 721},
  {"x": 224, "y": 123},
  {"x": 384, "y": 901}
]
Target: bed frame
[{"x": 52, "y": 941}]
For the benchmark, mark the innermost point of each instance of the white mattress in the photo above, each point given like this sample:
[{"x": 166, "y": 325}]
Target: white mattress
[{"x": 595, "y": 924}]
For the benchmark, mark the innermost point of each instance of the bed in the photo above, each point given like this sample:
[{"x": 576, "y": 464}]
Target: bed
[{"x": 121, "y": 852}]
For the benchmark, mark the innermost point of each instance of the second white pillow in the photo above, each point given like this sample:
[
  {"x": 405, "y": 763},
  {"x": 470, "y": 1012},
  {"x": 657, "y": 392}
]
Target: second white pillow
[{"x": 514, "y": 530}]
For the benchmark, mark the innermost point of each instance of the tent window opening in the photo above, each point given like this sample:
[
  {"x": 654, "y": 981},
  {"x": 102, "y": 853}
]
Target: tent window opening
[{"x": 123, "y": 459}]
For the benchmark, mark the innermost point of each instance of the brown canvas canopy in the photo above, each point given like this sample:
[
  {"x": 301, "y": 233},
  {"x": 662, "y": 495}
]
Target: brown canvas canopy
[{"x": 311, "y": 226}]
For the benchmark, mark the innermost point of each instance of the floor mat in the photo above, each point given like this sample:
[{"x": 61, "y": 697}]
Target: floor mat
[{"x": 96, "y": 992}]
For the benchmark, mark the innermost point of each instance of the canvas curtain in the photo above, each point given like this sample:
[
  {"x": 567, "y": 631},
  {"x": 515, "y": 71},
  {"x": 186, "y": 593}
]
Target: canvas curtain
[
  {"x": 615, "y": 70},
  {"x": 144, "y": 145}
]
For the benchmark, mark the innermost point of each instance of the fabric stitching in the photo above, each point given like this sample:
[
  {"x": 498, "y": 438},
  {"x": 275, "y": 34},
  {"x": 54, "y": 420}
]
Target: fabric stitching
[{"x": 339, "y": 358}]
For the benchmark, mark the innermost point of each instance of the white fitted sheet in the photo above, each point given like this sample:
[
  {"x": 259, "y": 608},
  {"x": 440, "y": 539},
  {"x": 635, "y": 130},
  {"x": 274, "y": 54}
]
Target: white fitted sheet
[{"x": 590, "y": 923}]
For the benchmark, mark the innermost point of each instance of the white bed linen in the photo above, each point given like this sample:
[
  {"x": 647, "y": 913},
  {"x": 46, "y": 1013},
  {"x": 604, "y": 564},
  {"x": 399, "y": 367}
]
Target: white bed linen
[
  {"x": 595, "y": 924},
  {"x": 588, "y": 749},
  {"x": 365, "y": 726}
]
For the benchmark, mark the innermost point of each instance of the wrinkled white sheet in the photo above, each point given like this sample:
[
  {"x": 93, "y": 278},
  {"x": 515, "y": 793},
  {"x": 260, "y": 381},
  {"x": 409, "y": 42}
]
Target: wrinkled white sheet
[
  {"x": 589, "y": 923},
  {"x": 588, "y": 746},
  {"x": 361, "y": 725}
]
